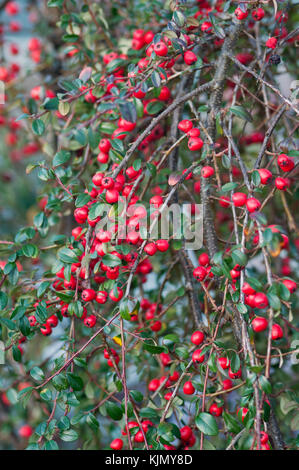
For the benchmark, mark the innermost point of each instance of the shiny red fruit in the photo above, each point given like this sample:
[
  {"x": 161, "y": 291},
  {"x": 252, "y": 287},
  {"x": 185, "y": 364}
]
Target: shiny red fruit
[
  {"x": 259, "y": 324},
  {"x": 188, "y": 388},
  {"x": 277, "y": 332}
]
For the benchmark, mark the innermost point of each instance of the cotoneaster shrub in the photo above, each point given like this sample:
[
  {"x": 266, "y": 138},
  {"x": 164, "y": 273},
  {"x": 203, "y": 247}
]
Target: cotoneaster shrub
[{"x": 140, "y": 342}]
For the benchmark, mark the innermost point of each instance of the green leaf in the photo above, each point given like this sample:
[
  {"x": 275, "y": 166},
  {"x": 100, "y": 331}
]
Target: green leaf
[
  {"x": 30, "y": 251},
  {"x": 242, "y": 308},
  {"x": 128, "y": 111},
  {"x": 96, "y": 210},
  {"x": 274, "y": 301},
  {"x": 137, "y": 164},
  {"x": 61, "y": 157},
  {"x": 265, "y": 384},
  {"x": 124, "y": 310},
  {"x": 38, "y": 127},
  {"x": 240, "y": 112},
  {"x": 66, "y": 255},
  {"x": 37, "y": 374},
  {"x": 206, "y": 423},
  {"x": 154, "y": 107},
  {"x": 51, "y": 445},
  {"x": 114, "y": 411},
  {"x": 239, "y": 257},
  {"x": 256, "y": 179},
  {"x": 179, "y": 18},
  {"x": 41, "y": 313},
  {"x": 165, "y": 432},
  {"x": 16, "y": 353},
  {"x": 42, "y": 288},
  {"x": 232, "y": 423},
  {"x": 111, "y": 260},
  {"x": 51, "y": 104},
  {"x": 75, "y": 381},
  {"x": 3, "y": 300},
  {"x": 60, "y": 382},
  {"x": 156, "y": 79},
  {"x": 69, "y": 435},
  {"x": 234, "y": 361},
  {"x": 8, "y": 323},
  {"x": 148, "y": 413},
  {"x": 153, "y": 349},
  {"x": 24, "y": 326},
  {"x": 82, "y": 199},
  {"x": 254, "y": 283},
  {"x": 229, "y": 187},
  {"x": 92, "y": 421},
  {"x": 136, "y": 395}
]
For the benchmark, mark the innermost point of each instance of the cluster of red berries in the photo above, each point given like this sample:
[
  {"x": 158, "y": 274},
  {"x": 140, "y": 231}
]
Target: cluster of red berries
[{"x": 193, "y": 133}]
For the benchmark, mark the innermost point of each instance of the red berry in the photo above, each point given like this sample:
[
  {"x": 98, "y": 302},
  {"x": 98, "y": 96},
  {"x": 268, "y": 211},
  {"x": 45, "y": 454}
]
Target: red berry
[
  {"x": 197, "y": 337},
  {"x": 101, "y": 297},
  {"x": 277, "y": 331},
  {"x": 97, "y": 179},
  {"x": 186, "y": 433},
  {"x": 259, "y": 324},
  {"x": 162, "y": 245},
  {"x": 117, "y": 444},
  {"x": 90, "y": 321},
  {"x": 32, "y": 320},
  {"x": 224, "y": 362},
  {"x": 207, "y": 171},
  {"x": 195, "y": 143},
  {"x": 224, "y": 201},
  {"x": 271, "y": 43},
  {"x": 281, "y": 183},
  {"x": 203, "y": 259},
  {"x": 240, "y": 14},
  {"x": 112, "y": 196},
  {"x": 264, "y": 437},
  {"x": 227, "y": 384},
  {"x": 46, "y": 330},
  {"x": 160, "y": 48},
  {"x": 81, "y": 214},
  {"x": 185, "y": 125},
  {"x": 156, "y": 201},
  {"x": 118, "y": 297},
  {"x": 188, "y": 388},
  {"x": 247, "y": 289},
  {"x": 265, "y": 175},
  {"x": 206, "y": 27},
  {"x": 164, "y": 94},
  {"x": 258, "y": 14},
  {"x": 189, "y": 57},
  {"x": 235, "y": 375},
  {"x": 25, "y": 431},
  {"x": 244, "y": 412},
  {"x": 52, "y": 321},
  {"x": 261, "y": 300},
  {"x": 199, "y": 273},
  {"x": 253, "y": 204},
  {"x": 150, "y": 248},
  {"x": 165, "y": 359},
  {"x": 107, "y": 182},
  {"x": 197, "y": 356},
  {"x": 291, "y": 285},
  {"x": 154, "y": 385},
  {"x": 285, "y": 163},
  {"x": 105, "y": 145},
  {"x": 215, "y": 410},
  {"x": 88, "y": 295},
  {"x": 239, "y": 199},
  {"x": 156, "y": 326}
]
